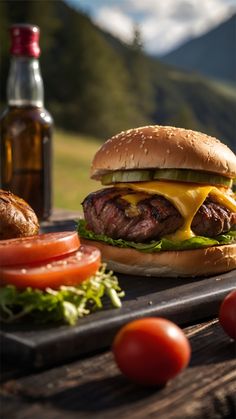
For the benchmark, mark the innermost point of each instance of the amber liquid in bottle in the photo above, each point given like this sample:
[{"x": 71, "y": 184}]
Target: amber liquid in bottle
[
  {"x": 26, "y": 132},
  {"x": 26, "y": 138}
]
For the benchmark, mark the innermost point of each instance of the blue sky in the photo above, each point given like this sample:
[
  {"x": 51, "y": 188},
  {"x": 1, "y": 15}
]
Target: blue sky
[{"x": 164, "y": 24}]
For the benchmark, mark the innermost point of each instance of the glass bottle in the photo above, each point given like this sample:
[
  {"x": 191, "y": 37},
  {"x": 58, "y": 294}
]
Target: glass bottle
[{"x": 26, "y": 127}]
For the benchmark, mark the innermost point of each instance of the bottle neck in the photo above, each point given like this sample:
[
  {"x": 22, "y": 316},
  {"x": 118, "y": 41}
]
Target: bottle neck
[{"x": 25, "y": 85}]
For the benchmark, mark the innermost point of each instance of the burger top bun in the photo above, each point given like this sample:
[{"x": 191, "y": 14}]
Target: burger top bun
[
  {"x": 17, "y": 218},
  {"x": 166, "y": 148}
]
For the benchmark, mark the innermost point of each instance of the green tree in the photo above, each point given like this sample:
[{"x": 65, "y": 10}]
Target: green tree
[
  {"x": 141, "y": 76},
  {"x": 137, "y": 43},
  {"x": 93, "y": 80}
]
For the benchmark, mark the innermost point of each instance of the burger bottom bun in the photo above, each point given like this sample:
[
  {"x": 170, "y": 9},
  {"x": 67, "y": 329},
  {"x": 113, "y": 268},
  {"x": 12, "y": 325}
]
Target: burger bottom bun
[{"x": 185, "y": 263}]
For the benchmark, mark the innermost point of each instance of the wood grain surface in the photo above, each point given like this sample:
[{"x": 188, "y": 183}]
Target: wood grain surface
[{"x": 94, "y": 388}]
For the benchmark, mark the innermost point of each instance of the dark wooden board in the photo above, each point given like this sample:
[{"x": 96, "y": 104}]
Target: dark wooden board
[
  {"x": 182, "y": 300},
  {"x": 94, "y": 388}
]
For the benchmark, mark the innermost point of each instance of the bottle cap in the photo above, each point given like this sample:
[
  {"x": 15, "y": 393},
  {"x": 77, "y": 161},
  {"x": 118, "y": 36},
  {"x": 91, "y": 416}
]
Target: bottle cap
[{"x": 25, "y": 40}]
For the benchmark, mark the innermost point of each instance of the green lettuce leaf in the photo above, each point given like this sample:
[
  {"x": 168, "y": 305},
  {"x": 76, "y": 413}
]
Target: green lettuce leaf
[
  {"x": 66, "y": 304},
  {"x": 156, "y": 246}
]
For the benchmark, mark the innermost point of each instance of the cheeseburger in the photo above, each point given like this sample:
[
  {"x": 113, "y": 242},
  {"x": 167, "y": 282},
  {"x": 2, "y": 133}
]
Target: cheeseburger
[{"x": 167, "y": 207}]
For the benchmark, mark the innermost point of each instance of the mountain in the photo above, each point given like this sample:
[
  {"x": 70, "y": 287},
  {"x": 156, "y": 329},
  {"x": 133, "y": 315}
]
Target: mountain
[
  {"x": 212, "y": 54},
  {"x": 97, "y": 85}
]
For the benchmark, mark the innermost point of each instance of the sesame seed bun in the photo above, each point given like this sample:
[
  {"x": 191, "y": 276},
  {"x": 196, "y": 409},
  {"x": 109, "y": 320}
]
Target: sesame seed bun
[
  {"x": 186, "y": 263},
  {"x": 156, "y": 146},
  {"x": 163, "y": 147}
]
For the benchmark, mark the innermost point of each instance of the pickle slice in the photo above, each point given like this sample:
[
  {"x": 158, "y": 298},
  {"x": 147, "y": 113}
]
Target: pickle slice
[
  {"x": 186, "y": 175},
  {"x": 127, "y": 176},
  {"x": 181, "y": 175}
]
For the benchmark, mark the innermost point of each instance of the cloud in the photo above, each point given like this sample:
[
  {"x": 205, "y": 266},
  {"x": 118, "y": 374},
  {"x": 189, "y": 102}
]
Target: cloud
[
  {"x": 160, "y": 38},
  {"x": 116, "y": 22},
  {"x": 164, "y": 24},
  {"x": 167, "y": 23}
]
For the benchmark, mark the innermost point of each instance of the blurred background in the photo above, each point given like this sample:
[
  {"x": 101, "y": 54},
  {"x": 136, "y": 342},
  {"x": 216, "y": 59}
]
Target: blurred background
[{"x": 110, "y": 65}]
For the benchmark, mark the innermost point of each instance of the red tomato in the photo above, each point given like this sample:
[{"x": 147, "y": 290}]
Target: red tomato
[
  {"x": 227, "y": 314},
  {"x": 35, "y": 249},
  {"x": 151, "y": 350},
  {"x": 70, "y": 270}
]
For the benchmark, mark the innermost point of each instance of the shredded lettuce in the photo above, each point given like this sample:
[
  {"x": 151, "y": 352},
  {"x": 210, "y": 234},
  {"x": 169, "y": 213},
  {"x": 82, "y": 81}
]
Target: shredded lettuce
[
  {"x": 157, "y": 246},
  {"x": 66, "y": 304}
]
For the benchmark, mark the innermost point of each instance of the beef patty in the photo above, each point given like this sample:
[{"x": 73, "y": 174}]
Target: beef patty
[{"x": 153, "y": 217}]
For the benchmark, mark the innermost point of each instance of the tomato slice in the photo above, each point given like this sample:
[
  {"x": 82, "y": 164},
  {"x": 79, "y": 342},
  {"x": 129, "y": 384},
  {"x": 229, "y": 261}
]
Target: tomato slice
[
  {"x": 70, "y": 270},
  {"x": 35, "y": 249}
]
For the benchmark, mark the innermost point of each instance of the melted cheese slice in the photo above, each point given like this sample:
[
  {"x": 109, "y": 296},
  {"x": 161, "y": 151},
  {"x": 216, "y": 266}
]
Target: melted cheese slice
[{"x": 186, "y": 197}]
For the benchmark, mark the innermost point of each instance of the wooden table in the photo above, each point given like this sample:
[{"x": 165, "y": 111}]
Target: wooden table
[{"x": 92, "y": 386}]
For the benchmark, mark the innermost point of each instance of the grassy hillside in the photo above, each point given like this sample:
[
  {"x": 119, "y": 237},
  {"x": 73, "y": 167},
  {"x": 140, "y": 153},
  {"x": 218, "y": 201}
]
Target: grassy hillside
[{"x": 72, "y": 158}]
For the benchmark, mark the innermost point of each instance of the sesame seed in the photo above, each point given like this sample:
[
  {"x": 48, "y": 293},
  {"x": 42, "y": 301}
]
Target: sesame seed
[{"x": 62, "y": 262}]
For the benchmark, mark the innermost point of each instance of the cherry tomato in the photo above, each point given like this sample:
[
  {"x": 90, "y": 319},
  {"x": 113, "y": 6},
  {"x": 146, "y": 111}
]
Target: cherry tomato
[
  {"x": 227, "y": 314},
  {"x": 151, "y": 350},
  {"x": 70, "y": 270},
  {"x": 35, "y": 249}
]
